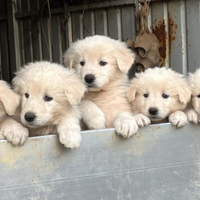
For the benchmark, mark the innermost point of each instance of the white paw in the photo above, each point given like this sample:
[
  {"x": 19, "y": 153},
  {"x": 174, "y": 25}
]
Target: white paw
[
  {"x": 97, "y": 122},
  {"x": 70, "y": 138},
  {"x": 16, "y": 134},
  {"x": 126, "y": 126},
  {"x": 193, "y": 116},
  {"x": 178, "y": 119},
  {"x": 142, "y": 120}
]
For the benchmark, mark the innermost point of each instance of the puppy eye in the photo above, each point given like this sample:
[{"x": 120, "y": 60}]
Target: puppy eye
[
  {"x": 82, "y": 63},
  {"x": 165, "y": 96},
  {"x": 47, "y": 98},
  {"x": 198, "y": 95},
  {"x": 27, "y": 95},
  {"x": 146, "y": 95},
  {"x": 102, "y": 63}
]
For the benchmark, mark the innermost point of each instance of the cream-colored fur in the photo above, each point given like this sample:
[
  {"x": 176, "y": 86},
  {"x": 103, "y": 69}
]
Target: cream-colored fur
[
  {"x": 158, "y": 95},
  {"x": 10, "y": 129},
  {"x": 107, "y": 61},
  {"x": 50, "y": 94},
  {"x": 193, "y": 112}
]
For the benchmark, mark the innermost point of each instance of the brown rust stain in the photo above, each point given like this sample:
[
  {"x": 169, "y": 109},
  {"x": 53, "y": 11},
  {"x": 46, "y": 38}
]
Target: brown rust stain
[
  {"x": 172, "y": 32},
  {"x": 159, "y": 29}
]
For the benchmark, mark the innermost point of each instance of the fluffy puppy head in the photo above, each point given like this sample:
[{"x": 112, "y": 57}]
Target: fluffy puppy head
[
  {"x": 98, "y": 60},
  {"x": 158, "y": 92},
  {"x": 8, "y": 98},
  {"x": 48, "y": 92},
  {"x": 194, "y": 82}
]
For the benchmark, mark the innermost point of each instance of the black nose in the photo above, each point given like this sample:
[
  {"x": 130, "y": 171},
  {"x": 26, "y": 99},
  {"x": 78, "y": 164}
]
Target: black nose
[
  {"x": 89, "y": 78},
  {"x": 29, "y": 117},
  {"x": 153, "y": 111}
]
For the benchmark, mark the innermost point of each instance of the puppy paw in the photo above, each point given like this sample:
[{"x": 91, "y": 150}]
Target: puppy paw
[
  {"x": 178, "y": 119},
  {"x": 70, "y": 139},
  {"x": 16, "y": 134},
  {"x": 97, "y": 122},
  {"x": 193, "y": 116},
  {"x": 126, "y": 127},
  {"x": 142, "y": 120}
]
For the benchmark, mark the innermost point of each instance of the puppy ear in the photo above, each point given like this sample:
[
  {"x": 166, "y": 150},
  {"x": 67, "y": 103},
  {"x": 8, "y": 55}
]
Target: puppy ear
[
  {"x": 125, "y": 59},
  {"x": 74, "y": 90},
  {"x": 131, "y": 93},
  {"x": 184, "y": 92},
  {"x": 8, "y": 98},
  {"x": 68, "y": 59},
  {"x": 19, "y": 81}
]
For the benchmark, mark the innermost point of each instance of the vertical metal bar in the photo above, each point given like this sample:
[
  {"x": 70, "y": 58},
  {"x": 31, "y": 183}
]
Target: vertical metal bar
[
  {"x": 150, "y": 19},
  {"x": 69, "y": 23},
  {"x": 183, "y": 36},
  {"x": 81, "y": 26},
  {"x": 165, "y": 9},
  {"x": 92, "y": 22},
  {"x": 105, "y": 22},
  {"x": 11, "y": 38},
  {"x": 119, "y": 28}
]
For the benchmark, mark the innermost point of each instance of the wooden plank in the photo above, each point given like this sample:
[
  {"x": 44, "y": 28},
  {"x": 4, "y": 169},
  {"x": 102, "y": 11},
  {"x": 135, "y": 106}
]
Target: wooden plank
[
  {"x": 56, "y": 40},
  {"x": 13, "y": 43},
  {"x": 112, "y": 23},
  {"x": 4, "y": 52},
  {"x": 103, "y": 4},
  {"x": 35, "y": 32},
  {"x": 128, "y": 23},
  {"x": 87, "y": 24},
  {"x": 100, "y": 22},
  {"x": 75, "y": 26},
  {"x": 3, "y": 7},
  {"x": 27, "y": 42},
  {"x": 159, "y": 161}
]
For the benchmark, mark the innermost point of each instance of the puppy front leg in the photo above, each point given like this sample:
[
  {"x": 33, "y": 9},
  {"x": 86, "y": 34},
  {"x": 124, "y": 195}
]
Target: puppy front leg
[
  {"x": 178, "y": 119},
  {"x": 13, "y": 132},
  {"x": 192, "y": 116},
  {"x": 69, "y": 133},
  {"x": 142, "y": 120},
  {"x": 125, "y": 124},
  {"x": 92, "y": 115}
]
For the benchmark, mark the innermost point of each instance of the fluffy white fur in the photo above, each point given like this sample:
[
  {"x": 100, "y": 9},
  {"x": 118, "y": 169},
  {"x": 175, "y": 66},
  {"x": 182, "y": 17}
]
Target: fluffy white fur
[
  {"x": 193, "y": 111},
  {"x": 105, "y": 104},
  {"x": 10, "y": 129},
  {"x": 50, "y": 93},
  {"x": 158, "y": 95}
]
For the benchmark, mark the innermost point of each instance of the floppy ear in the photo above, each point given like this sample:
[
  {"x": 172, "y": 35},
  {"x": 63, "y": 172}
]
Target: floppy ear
[
  {"x": 184, "y": 92},
  {"x": 19, "y": 81},
  {"x": 9, "y": 99},
  {"x": 74, "y": 90},
  {"x": 68, "y": 59},
  {"x": 131, "y": 93},
  {"x": 125, "y": 59}
]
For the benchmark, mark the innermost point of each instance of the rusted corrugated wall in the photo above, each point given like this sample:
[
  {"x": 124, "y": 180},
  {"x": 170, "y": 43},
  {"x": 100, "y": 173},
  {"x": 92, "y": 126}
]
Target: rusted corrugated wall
[{"x": 34, "y": 30}]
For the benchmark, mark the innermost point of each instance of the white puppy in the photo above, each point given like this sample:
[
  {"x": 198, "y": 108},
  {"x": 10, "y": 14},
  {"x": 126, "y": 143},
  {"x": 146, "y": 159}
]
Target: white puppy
[
  {"x": 102, "y": 63},
  {"x": 158, "y": 95},
  {"x": 10, "y": 129},
  {"x": 193, "y": 111},
  {"x": 50, "y": 94}
]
